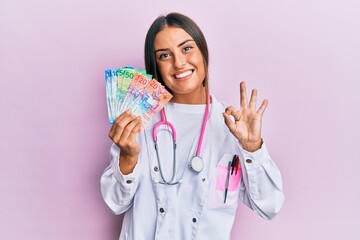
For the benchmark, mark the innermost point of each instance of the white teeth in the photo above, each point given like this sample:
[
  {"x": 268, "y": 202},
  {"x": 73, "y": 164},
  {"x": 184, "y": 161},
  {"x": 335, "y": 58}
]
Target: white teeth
[{"x": 183, "y": 74}]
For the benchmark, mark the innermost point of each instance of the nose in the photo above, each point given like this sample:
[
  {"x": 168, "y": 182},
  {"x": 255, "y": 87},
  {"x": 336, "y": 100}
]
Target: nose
[{"x": 179, "y": 60}]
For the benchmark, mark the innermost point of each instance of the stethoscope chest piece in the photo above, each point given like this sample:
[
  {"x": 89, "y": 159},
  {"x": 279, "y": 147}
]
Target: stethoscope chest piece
[{"x": 196, "y": 164}]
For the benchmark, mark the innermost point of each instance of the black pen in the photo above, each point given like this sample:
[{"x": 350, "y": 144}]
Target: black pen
[{"x": 227, "y": 181}]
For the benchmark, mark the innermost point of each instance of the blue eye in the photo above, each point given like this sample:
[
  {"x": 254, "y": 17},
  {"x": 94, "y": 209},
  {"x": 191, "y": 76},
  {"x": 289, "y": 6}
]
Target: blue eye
[
  {"x": 187, "y": 48},
  {"x": 163, "y": 55}
]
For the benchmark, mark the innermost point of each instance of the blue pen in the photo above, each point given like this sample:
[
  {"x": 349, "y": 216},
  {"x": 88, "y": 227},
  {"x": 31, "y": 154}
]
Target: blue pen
[{"x": 227, "y": 181}]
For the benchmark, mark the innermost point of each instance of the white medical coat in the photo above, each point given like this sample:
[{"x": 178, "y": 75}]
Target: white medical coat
[{"x": 195, "y": 208}]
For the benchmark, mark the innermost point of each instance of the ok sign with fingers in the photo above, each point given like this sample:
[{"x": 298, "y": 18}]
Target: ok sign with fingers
[{"x": 247, "y": 125}]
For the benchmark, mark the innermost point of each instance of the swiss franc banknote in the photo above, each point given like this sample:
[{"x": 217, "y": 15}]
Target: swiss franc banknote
[
  {"x": 136, "y": 91},
  {"x": 154, "y": 98}
]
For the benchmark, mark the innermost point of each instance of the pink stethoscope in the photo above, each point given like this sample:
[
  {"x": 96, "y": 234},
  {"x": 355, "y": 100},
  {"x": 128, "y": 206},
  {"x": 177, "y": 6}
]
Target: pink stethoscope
[{"x": 196, "y": 163}]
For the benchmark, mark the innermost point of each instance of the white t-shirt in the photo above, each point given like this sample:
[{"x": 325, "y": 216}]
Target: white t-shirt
[{"x": 187, "y": 120}]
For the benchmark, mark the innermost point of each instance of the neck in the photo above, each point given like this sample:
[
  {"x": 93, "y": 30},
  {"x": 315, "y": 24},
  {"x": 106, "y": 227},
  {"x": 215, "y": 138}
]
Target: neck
[{"x": 192, "y": 98}]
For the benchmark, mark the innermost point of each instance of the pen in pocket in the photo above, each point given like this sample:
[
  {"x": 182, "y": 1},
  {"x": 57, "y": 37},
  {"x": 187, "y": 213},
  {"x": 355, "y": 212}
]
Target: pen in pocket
[
  {"x": 227, "y": 180},
  {"x": 234, "y": 164}
]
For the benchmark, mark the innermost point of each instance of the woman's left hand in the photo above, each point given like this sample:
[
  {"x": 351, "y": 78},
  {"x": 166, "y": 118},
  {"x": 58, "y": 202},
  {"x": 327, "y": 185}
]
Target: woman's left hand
[{"x": 247, "y": 125}]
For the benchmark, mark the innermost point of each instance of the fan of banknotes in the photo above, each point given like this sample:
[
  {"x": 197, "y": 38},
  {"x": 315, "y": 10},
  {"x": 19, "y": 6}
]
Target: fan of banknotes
[{"x": 134, "y": 89}]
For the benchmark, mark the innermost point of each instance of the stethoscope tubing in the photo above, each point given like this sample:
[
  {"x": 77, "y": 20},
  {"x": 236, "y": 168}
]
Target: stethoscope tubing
[
  {"x": 172, "y": 131},
  {"x": 165, "y": 122}
]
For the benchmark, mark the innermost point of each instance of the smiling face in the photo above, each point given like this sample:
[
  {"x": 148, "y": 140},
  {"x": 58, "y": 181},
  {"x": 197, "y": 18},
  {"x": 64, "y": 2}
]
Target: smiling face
[{"x": 181, "y": 65}]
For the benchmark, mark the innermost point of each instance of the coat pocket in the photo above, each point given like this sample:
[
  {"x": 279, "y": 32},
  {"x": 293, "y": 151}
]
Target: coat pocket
[{"x": 225, "y": 178}]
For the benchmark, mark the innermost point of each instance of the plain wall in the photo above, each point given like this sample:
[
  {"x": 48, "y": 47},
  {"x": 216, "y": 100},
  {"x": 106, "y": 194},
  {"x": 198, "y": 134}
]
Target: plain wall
[{"x": 304, "y": 56}]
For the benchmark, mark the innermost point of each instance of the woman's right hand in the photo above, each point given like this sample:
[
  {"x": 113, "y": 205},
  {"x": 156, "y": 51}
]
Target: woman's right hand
[{"x": 123, "y": 134}]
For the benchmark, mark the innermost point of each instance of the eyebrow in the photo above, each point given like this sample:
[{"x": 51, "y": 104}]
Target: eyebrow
[{"x": 167, "y": 49}]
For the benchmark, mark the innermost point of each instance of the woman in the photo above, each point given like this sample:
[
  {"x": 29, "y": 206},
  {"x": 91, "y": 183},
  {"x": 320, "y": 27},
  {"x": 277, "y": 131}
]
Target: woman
[{"x": 188, "y": 186}]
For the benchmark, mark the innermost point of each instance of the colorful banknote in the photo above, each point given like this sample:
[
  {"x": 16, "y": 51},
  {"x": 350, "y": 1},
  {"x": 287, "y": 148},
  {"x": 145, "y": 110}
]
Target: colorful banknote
[
  {"x": 129, "y": 88},
  {"x": 157, "y": 97},
  {"x": 109, "y": 96},
  {"x": 136, "y": 90},
  {"x": 125, "y": 75}
]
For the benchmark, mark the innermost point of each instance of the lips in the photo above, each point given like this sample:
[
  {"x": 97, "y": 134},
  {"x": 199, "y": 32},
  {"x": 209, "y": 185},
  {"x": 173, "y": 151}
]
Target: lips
[{"x": 183, "y": 74}]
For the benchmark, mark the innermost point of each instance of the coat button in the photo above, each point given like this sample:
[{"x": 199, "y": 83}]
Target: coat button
[
  {"x": 194, "y": 220},
  {"x": 248, "y": 160},
  {"x": 162, "y": 210},
  {"x": 128, "y": 181},
  {"x": 156, "y": 169}
]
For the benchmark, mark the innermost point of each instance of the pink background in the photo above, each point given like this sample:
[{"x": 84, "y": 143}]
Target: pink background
[{"x": 304, "y": 56}]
